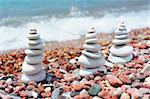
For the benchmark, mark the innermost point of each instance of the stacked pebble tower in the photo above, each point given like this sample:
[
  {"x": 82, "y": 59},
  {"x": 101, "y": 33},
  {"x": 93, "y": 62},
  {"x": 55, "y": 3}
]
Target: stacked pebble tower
[
  {"x": 32, "y": 66},
  {"x": 91, "y": 57},
  {"x": 121, "y": 51}
]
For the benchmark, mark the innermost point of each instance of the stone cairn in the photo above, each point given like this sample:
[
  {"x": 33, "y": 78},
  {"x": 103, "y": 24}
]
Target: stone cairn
[
  {"x": 91, "y": 58},
  {"x": 121, "y": 51},
  {"x": 32, "y": 66}
]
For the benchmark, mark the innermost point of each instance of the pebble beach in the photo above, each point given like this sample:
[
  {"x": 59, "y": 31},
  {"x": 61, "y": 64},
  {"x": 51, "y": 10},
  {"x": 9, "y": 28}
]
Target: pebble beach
[{"x": 129, "y": 81}]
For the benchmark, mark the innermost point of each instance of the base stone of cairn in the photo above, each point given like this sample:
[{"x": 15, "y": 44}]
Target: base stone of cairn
[
  {"x": 121, "y": 52},
  {"x": 91, "y": 58},
  {"x": 32, "y": 66}
]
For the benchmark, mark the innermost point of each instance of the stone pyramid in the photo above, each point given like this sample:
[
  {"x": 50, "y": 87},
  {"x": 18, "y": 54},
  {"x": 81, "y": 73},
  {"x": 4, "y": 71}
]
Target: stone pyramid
[
  {"x": 121, "y": 51},
  {"x": 91, "y": 57},
  {"x": 32, "y": 65}
]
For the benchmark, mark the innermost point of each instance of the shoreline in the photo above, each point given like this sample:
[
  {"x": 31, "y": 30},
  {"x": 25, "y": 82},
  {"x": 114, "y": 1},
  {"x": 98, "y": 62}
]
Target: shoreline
[
  {"x": 62, "y": 74},
  {"x": 77, "y": 43}
]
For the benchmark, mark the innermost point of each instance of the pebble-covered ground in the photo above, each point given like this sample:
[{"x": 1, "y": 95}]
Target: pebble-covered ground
[{"x": 129, "y": 81}]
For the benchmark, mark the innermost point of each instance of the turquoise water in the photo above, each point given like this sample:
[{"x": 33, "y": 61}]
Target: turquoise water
[{"x": 58, "y": 20}]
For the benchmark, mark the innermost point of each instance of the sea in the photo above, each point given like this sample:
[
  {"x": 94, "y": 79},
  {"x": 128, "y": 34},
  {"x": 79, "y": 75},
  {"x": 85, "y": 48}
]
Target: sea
[{"x": 60, "y": 20}]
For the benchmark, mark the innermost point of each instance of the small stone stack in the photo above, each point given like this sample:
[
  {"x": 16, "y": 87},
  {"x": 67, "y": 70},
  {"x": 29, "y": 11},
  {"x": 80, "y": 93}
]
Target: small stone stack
[
  {"x": 121, "y": 51},
  {"x": 91, "y": 57},
  {"x": 32, "y": 66}
]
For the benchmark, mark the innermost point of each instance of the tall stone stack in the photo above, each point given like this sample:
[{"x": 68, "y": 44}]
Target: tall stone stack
[
  {"x": 91, "y": 58},
  {"x": 121, "y": 51},
  {"x": 32, "y": 66}
]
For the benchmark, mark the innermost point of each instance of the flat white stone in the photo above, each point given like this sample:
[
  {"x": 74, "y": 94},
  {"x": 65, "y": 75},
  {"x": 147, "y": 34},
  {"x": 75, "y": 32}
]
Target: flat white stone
[
  {"x": 109, "y": 64},
  {"x": 85, "y": 72},
  {"x": 92, "y": 54},
  {"x": 33, "y": 31},
  {"x": 121, "y": 41},
  {"x": 33, "y": 36},
  {"x": 91, "y": 63},
  {"x": 36, "y": 77},
  {"x": 120, "y": 60},
  {"x": 38, "y": 46},
  {"x": 90, "y": 35},
  {"x": 34, "y": 42},
  {"x": 146, "y": 68},
  {"x": 34, "y": 59},
  {"x": 32, "y": 52},
  {"x": 147, "y": 80},
  {"x": 124, "y": 50},
  {"x": 31, "y": 69},
  {"x": 91, "y": 30},
  {"x": 118, "y": 32},
  {"x": 91, "y": 47},
  {"x": 92, "y": 40},
  {"x": 122, "y": 36},
  {"x": 122, "y": 28}
]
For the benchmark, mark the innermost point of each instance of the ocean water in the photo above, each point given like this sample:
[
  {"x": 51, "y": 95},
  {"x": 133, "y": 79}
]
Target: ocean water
[{"x": 59, "y": 20}]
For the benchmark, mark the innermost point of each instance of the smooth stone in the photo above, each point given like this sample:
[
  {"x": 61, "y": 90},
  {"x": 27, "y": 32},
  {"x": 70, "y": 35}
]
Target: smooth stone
[
  {"x": 31, "y": 69},
  {"x": 113, "y": 80},
  {"x": 33, "y": 36},
  {"x": 122, "y": 36},
  {"x": 120, "y": 60},
  {"x": 117, "y": 92},
  {"x": 146, "y": 68},
  {"x": 90, "y": 35},
  {"x": 74, "y": 93},
  {"x": 47, "y": 89},
  {"x": 66, "y": 95},
  {"x": 124, "y": 50},
  {"x": 109, "y": 64},
  {"x": 49, "y": 77},
  {"x": 76, "y": 73},
  {"x": 91, "y": 47},
  {"x": 36, "y": 77},
  {"x": 92, "y": 40},
  {"x": 91, "y": 63},
  {"x": 147, "y": 80},
  {"x": 120, "y": 41},
  {"x": 33, "y": 52},
  {"x": 122, "y": 28},
  {"x": 94, "y": 90},
  {"x": 9, "y": 81},
  {"x": 34, "y": 94},
  {"x": 92, "y": 30},
  {"x": 38, "y": 46},
  {"x": 29, "y": 94},
  {"x": 92, "y": 54},
  {"x": 34, "y": 42},
  {"x": 34, "y": 59},
  {"x": 85, "y": 72},
  {"x": 118, "y": 32},
  {"x": 125, "y": 96},
  {"x": 33, "y": 31},
  {"x": 96, "y": 97},
  {"x": 72, "y": 61},
  {"x": 56, "y": 93}
]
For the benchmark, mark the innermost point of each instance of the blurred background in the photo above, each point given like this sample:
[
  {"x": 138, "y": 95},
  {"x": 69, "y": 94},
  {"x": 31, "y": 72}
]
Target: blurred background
[{"x": 59, "y": 20}]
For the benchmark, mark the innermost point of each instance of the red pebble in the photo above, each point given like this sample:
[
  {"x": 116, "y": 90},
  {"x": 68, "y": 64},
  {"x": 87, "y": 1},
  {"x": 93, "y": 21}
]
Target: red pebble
[
  {"x": 124, "y": 78},
  {"x": 22, "y": 94},
  {"x": 130, "y": 65},
  {"x": 113, "y": 80},
  {"x": 69, "y": 77},
  {"x": 77, "y": 87},
  {"x": 58, "y": 75}
]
